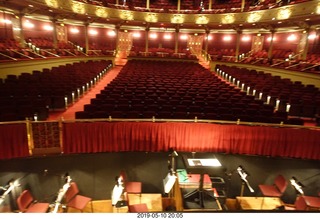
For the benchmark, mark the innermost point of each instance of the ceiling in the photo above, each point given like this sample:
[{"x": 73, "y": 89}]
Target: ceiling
[{"x": 35, "y": 10}]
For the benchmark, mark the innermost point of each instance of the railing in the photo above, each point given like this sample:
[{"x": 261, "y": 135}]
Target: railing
[{"x": 47, "y": 137}]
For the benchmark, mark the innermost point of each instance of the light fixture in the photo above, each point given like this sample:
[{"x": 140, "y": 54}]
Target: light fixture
[
  {"x": 74, "y": 30},
  {"x": 153, "y": 36},
  {"x": 312, "y": 36},
  {"x": 184, "y": 37},
  {"x": 28, "y": 24},
  {"x": 48, "y": 27},
  {"x": 167, "y": 36},
  {"x": 245, "y": 38},
  {"x": 111, "y": 33},
  {"x": 292, "y": 37},
  {"x": 136, "y": 35},
  {"x": 6, "y": 21},
  {"x": 227, "y": 38},
  {"x": 93, "y": 32}
]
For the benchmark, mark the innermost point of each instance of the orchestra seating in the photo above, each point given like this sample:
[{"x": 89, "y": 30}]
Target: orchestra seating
[
  {"x": 296, "y": 100},
  {"x": 28, "y": 95},
  {"x": 175, "y": 90}
]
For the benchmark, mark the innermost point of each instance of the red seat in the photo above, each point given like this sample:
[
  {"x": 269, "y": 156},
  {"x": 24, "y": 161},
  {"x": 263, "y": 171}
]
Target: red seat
[
  {"x": 138, "y": 208},
  {"x": 74, "y": 200},
  {"x": 275, "y": 190},
  {"x": 133, "y": 187},
  {"x": 299, "y": 205},
  {"x": 27, "y": 204}
]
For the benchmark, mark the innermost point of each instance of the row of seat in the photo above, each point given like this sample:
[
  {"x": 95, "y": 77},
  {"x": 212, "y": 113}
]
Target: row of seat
[
  {"x": 298, "y": 99},
  {"x": 35, "y": 94},
  {"x": 175, "y": 90}
]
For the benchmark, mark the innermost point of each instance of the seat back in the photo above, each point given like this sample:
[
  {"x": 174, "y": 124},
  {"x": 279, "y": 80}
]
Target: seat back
[
  {"x": 281, "y": 183},
  {"x": 142, "y": 207},
  {"x": 300, "y": 204},
  {"x": 24, "y": 200},
  {"x": 72, "y": 191},
  {"x": 133, "y": 187}
]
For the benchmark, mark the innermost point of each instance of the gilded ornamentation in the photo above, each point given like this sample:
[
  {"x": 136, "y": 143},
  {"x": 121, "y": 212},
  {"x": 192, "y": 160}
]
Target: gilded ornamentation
[
  {"x": 52, "y": 3},
  {"x": 152, "y": 17},
  {"x": 202, "y": 19},
  {"x": 101, "y": 12},
  {"x": 228, "y": 19},
  {"x": 177, "y": 19}
]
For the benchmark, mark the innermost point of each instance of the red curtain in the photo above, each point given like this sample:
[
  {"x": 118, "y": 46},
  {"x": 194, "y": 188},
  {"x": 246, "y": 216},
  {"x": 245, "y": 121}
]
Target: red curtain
[
  {"x": 199, "y": 137},
  {"x": 13, "y": 141}
]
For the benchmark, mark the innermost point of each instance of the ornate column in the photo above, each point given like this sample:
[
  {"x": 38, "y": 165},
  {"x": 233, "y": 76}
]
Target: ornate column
[
  {"x": 306, "y": 44},
  {"x": 147, "y": 39},
  {"x": 21, "y": 32},
  {"x": 54, "y": 33},
  {"x": 206, "y": 44},
  {"x": 210, "y": 4},
  {"x": 239, "y": 32},
  {"x": 243, "y": 2},
  {"x": 117, "y": 37},
  {"x": 86, "y": 25},
  {"x": 271, "y": 45},
  {"x": 176, "y": 39},
  {"x": 148, "y": 4}
]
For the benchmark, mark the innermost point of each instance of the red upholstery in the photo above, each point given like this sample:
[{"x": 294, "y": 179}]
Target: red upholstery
[
  {"x": 27, "y": 204},
  {"x": 299, "y": 205},
  {"x": 74, "y": 200},
  {"x": 276, "y": 190},
  {"x": 138, "y": 208},
  {"x": 133, "y": 187}
]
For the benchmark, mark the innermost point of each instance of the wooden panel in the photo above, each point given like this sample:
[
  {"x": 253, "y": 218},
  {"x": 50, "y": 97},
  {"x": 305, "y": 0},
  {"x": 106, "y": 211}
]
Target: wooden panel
[
  {"x": 153, "y": 201},
  {"x": 258, "y": 203}
]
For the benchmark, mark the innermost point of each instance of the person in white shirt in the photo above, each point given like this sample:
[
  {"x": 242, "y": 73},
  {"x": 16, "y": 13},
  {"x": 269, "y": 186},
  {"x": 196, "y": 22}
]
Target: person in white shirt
[{"x": 118, "y": 191}]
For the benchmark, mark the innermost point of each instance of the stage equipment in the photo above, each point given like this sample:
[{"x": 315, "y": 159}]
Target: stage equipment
[
  {"x": 200, "y": 166},
  {"x": 168, "y": 182},
  {"x": 297, "y": 185},
  {"x": 172, "y": 161},
  {"x": 61, "y": 194},
  {"x": 243, "y": 175},
  {"x": 8, "y": 188}
]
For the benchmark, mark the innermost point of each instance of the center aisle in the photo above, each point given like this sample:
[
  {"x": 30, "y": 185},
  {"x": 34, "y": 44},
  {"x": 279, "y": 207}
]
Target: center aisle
[{"x": 69, "y": 114}]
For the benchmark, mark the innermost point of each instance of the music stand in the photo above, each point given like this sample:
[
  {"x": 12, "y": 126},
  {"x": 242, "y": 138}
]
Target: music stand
[
  {"x": 243, "y": 175},
  {"x": 200, "y": 166},
  {"x": 297, "y": 185},
  {"x": 61, "y": 194}
]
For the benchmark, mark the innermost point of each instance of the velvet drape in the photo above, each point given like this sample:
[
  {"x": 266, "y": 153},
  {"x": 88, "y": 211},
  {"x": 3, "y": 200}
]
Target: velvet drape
[
  {"x": 13, "y": 141},
  {"x": 86, "y": 137}
]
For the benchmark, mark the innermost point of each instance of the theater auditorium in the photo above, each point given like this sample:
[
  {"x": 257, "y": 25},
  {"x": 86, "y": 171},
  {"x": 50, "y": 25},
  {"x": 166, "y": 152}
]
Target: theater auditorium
[{"x": 120, "y": 106}]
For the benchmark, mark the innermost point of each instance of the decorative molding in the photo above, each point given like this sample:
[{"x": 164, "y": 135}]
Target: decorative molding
[{"x": 177, "y": 19}]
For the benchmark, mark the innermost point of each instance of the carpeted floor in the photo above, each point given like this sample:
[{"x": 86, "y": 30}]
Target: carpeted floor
[{"x": 69, "y": 114}]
